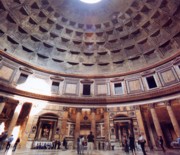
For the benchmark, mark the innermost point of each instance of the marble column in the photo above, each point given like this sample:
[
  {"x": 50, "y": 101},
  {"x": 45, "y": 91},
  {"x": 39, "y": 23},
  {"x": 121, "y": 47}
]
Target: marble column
[
  {"x": 101, "y": 128},
  {"x": 14, "y": 118},
  {"x": 64, "y": 123},
  {"x": 28, "y": 127},
  {"x": 156, "y": 121},
  {"x": 2, "y": 106},
  {"x": 27, "y": 130},
  {"x": 69, "y": 129},
  {"x": 150, "y": 130},
  {"x": 140, "y": 121},
  {"x": 93, "y": 124},
  {"x": 106, "y": 124},
  {"x": 93, "y": 121},
  {"x": 173, "y": 119},
  {"x": 77, "y": 125}
]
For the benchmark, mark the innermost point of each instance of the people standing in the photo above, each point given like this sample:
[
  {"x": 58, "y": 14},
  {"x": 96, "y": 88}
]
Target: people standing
[
  {"x": 141, "y": 142},
  {"x": 161, "y": 143},
  {"x": 90, "y": 145},
  {"x": 65, "y": 144},
  {"x": 3, "y": 137},
  {"x": 106, "y": 145},
  {"x": 15, "y": 145},
  {"x": 82, "y": 143},
  {"x": 78, "y": 145},
  {"x": 132, "y": 143},
  {"x": 58, "y": 144},
  {"x": 126, "y": 146},
  {"x": 10, "y": 139}
]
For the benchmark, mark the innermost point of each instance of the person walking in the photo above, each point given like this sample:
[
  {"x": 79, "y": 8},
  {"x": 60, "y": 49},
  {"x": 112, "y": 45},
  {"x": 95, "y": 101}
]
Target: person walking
[
  {"x": 132, "y": 143},
  {"x": 141, "y": 142},
  {"x": 161, "y": 143},
  {"x": 90, "y": 144},
  {"x": 15, "y": 145}
]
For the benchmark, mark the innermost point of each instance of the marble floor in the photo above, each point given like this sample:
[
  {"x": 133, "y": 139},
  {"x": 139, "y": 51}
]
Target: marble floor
[{"x": 73, "y": 152}]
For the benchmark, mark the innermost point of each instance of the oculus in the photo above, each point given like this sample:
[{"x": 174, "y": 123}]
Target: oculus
[{"x": 90, "y": 1}]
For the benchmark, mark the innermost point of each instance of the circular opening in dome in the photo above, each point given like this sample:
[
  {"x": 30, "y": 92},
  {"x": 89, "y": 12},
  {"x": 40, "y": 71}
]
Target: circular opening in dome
[{"x": 90, "y": 1}]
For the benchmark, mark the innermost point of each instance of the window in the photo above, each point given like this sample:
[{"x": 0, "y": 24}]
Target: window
[
  {"x": 118, "y": 89},
  {"x": 22, "y": 78},
  {"x": 151, "y": 82},
  {"x": 55, "y": 87},
  {"x": 86, "y": 89}
]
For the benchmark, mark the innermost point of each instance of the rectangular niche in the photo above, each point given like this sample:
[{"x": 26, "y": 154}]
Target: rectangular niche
[
  {"x": 134, "y": 85},
  {"x": 168, "y": 76},
  {"x": 6, "y": 73},
  {"x": 71, "y": 88}
]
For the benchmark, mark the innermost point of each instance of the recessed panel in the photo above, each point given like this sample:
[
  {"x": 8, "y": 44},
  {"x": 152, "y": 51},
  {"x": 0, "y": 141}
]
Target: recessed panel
[
  {"x": 6, "y": 73},
  {"x": 71, "y": 88}
]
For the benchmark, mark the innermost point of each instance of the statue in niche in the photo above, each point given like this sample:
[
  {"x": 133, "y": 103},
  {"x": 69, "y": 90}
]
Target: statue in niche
[
  {"x": 71, "y": 132},
  {"x": 33, "y": 129},
  {"x": 45, "y": 131},
  {"x": 57, "y": 131}
]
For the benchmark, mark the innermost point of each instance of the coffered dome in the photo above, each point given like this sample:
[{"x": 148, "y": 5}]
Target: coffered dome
[{"x": 106, "y": 38}]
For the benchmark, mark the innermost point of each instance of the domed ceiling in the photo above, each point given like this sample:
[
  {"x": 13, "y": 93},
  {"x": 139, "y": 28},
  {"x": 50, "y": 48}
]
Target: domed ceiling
[{"x": 106, "y": 38}]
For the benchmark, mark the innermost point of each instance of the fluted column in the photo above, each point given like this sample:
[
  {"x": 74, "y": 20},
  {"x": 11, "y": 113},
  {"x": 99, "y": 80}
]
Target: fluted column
[
  {"x": 106, "y": 124},
  {"x": 150, "y": 130},
  {"x": 2, "y": 104},
  {"x": 173, "y": 119},
  {"x": 27, "y": 130},
  {"x": 77, "y": 125},
  {"x": 93, "y": 121},
  {"x": 140, "y": 121},
  {"x": 14, "y": 118},
  {"x": 156, "y": 121},
  {"x": 64, "y": 122}
]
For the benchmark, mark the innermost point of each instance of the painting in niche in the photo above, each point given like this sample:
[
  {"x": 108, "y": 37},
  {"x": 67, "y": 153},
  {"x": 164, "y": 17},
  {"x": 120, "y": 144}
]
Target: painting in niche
[
  {"x": 45, "y": 130},
  {"x": 57, "y": 131}
]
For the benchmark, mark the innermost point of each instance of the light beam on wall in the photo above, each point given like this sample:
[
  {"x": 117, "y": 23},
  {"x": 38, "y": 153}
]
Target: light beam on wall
[{"x": 2, "y": 126}]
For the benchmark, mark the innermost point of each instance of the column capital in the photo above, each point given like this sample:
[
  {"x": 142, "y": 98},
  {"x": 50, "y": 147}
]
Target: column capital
[
  {"x": 137, "y": 107},
  {"x": 106, "y": 109},
  {"x": 78, "y": 109},
  {"x": 20, "y": 103},
  {"x": 152, "y": 105},
  {"x": 65, "y": 108},
  {"x": 93, "y": 109},
  {"x": 167, "y": 103},
  {"x": 3, "y": 99}
]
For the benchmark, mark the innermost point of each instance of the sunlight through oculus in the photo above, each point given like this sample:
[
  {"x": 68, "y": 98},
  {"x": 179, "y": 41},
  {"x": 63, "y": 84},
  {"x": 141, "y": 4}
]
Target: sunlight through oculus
[{"x": 90, "y": 1}]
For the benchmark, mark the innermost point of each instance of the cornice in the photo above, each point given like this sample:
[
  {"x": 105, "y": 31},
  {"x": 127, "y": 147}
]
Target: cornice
[{"x": 26, "y": 64}]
